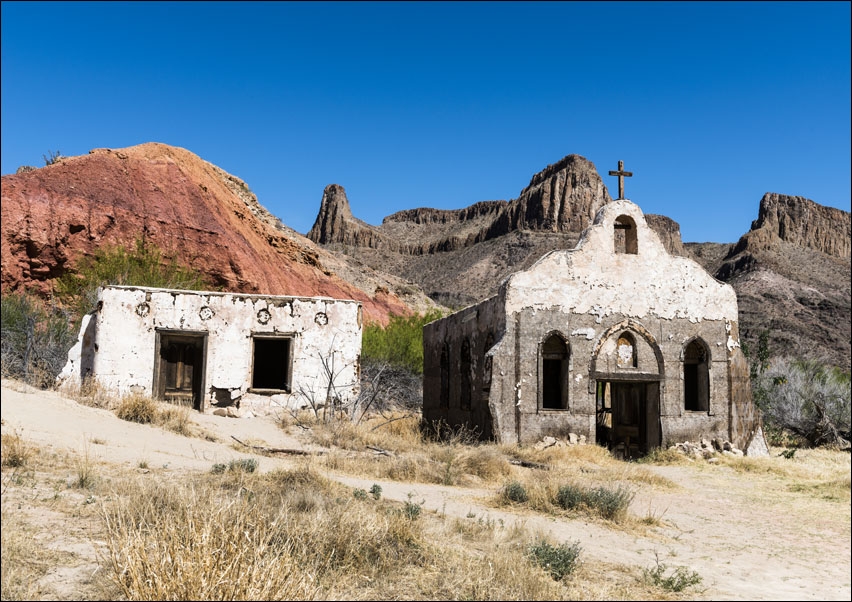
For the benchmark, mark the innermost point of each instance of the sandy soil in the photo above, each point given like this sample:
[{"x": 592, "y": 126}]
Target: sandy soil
[{"x": 748, "y": 539}]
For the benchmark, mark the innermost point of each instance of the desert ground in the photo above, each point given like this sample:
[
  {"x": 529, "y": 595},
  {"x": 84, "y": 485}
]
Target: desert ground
[{"x": 749, "y": 535}]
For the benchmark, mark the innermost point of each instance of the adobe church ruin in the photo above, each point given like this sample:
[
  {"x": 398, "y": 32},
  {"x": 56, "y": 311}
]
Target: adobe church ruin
[
  {"x": 207, "y": 349},
  {"x": 614, "y": 340}
]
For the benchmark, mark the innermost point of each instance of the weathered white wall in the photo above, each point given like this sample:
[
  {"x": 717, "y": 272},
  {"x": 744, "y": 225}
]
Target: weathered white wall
[
  {"x": 593, "y": 279},
  {"x": 128, "y": 318}
]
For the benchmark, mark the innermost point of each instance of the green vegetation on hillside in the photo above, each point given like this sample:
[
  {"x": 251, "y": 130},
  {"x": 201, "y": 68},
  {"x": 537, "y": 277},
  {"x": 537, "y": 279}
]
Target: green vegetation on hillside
[
  {"x": 37, "y": 334},
  {"x": 143, "y": 265},
  {"x": 400, "y": 343}
]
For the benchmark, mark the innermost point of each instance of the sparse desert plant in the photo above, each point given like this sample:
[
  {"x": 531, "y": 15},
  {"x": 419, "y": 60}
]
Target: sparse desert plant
[
  {"x": 174, "y": 418},
  {"x": 51, "y": 157},
  {"x": 559, "y": 560},
  {"x": 806, "y": 398},
  {"x": 376, "y": 491},
  {"x": 570, "y": 496},
  {"x": 85, "y": 469},
  {"x": 514, "y": 491},
  {"x": 15, "y": 450},
  {"x": 610, "y": 504},
  {"x": 677, "y": 580}
]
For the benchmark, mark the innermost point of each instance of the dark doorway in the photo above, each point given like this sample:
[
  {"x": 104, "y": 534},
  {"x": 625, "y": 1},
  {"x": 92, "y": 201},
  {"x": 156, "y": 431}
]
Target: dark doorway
[
  {"x": 271, "y": 364},
  {"x": 629, "y": 417},
  {"x": 180, "y": 368}
]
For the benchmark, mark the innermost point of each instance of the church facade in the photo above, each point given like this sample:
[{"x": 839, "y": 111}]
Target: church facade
[{"x": 615, "y": 341}]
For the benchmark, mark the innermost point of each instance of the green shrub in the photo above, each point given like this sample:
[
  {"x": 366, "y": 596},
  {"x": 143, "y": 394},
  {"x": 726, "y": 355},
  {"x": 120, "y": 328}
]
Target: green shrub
[
  {"x": 560, "y": 561},
  {"x": 243, "y": 465},
  {"x": 400, "y": 343},
  {"x": 570, "y": 496},
  {"x": 609, "y": 504},
  {"x": 143, "y": 265},
  {"x": 376, "y": 491},
  {"x": 678, "y": 580},
  {"x": 514, "y": 491},
  {"x": 808, "y": 399},
  {"x": 35, "y": 338}
]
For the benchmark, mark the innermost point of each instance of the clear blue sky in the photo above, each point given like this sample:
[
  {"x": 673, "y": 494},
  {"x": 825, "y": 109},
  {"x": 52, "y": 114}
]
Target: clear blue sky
[{"x": 433, "y": 104}]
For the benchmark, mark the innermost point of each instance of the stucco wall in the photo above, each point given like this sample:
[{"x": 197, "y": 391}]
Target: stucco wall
[{"x": 128, "y": 319}]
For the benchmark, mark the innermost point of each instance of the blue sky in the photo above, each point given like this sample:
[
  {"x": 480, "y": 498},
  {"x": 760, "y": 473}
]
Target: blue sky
[{"x": 443, "y": 104}]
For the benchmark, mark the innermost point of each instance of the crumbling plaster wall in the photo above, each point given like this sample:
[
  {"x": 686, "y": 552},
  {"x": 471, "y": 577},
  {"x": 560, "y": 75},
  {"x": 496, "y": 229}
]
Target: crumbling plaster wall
[
  {"x": 128, "y": 318},
  {"x": 589, "y": 295},
  {"x": 482, "y": 327}
]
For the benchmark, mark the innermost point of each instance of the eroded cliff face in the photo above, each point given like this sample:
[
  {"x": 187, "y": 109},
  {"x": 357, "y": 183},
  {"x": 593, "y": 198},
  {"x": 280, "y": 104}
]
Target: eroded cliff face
[
  {"x": 562, "y": 198},
  {"x": 54, "y": 216},
  {"x": 791, "y": 273}
]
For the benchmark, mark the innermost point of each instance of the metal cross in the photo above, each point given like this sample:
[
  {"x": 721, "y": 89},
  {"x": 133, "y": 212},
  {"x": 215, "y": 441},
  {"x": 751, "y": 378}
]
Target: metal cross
[{"x": 621, "y": 175}]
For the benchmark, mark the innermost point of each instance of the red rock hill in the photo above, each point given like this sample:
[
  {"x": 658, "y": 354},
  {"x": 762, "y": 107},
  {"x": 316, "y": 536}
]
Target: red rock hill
[{"x": 193, "y": 210}]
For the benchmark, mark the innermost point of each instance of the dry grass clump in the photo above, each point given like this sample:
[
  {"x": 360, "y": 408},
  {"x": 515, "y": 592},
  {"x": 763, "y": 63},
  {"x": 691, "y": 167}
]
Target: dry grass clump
[
  {"x": 297, "y": 535},
  {"x": 823, "y": 473},
  {"x": 15, "y": 452},
  {"x": 21, "y": 559},
  {"x": 140, "y": 408},
  {"x": 90, "y": 393}
]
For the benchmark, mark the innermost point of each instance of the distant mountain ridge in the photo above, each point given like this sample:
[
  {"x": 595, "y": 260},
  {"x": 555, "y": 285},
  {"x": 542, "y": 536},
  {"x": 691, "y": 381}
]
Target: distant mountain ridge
[{"x": 790, "y": 270}]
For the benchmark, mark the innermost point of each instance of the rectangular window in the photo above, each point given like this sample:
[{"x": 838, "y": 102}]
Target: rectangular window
[{"x": 272, "y": 362}]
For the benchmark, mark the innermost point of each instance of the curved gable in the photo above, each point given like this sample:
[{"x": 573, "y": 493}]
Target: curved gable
[{"x": 636, "y": 280}]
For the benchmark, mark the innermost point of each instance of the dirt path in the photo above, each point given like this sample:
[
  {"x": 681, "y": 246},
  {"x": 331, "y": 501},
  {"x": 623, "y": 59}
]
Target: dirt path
[{"x": 747, "y": 539}]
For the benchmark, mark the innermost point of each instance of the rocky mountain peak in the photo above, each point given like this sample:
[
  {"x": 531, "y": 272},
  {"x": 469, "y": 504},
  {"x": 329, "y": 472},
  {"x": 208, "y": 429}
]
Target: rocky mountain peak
[{"x": 804, "y": 223}]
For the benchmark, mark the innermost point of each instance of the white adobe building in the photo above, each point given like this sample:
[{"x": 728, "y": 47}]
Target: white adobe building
[{"x": 211, "y": 349}]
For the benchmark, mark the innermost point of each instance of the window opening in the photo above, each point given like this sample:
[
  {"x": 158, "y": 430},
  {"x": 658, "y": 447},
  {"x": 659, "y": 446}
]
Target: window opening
[
  {"x": 625, "y": 235},
  {"x": 465, "y": 375},
  {"x": 696, "y": 378},
  {"x": 271, "y": 364},
  {"x": 445, "y": 376},
  {"x": 554, "y": 372},
  {"x": 625, "y": 351}
]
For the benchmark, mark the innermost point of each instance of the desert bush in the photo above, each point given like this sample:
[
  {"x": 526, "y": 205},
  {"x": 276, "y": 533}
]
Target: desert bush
[
  {"x": 560, "y": 561},
  {"x": 514, "y": 491},
  {"x": 806, "y": 398},
  {"x": 400, "y": 343},
  {"x": 610, "y": 504},
  {"x": 570, "y": 497},
  {"x": 35, "y": 337},
  {"x": 677, "y": 580},
  {"x": 51, "y": 157},
  {"x": 143, "y": 265}
]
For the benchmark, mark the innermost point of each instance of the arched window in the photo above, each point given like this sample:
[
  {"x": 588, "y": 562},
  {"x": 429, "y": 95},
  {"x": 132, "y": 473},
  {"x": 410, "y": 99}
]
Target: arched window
[
  {"x": 696, "y": 378},
  {"x": 554, "y": 373},
  {"x": 445, "y": 376},
  {"x": 486, "y": 377},
  {"x": 625, "y": 235},
  {"x": 465, "y": 375},
  {"x": 625, "y": 351}
]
